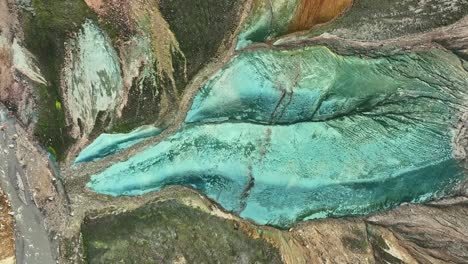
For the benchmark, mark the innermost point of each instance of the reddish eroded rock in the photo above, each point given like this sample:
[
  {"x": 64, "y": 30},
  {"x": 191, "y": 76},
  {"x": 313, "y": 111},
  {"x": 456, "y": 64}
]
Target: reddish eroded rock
[
  {"x": 8, "y": 91},
  {"x": 313, "y": 12},
  {"x": 116, "y": 12},
  {"x": 6, "y": 76},
  {"x": 7, "y": 240}
]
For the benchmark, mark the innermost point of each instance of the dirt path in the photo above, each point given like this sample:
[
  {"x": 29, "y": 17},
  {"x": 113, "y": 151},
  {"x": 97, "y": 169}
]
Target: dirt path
[{"x": 32, "y": 241}]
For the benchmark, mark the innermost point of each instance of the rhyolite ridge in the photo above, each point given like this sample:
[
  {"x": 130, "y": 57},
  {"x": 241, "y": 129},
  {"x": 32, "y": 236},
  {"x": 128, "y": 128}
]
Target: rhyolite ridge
[{"x": 247, "y": 131}]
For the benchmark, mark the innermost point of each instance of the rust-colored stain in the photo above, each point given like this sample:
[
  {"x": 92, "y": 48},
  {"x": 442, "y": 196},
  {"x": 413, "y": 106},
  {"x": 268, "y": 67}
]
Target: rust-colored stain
[
  {"x": 313, "y": 12},
  {"x": 7, "y": 242}
]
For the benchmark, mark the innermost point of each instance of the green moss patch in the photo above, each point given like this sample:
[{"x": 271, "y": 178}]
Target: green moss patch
[
  {"x": 169, "y": 232},
  {"x": 46, "y": 28}
]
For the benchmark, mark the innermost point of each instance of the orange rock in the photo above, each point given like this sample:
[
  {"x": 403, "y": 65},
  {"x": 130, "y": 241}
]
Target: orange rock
[{"x": 313, "y": 12}]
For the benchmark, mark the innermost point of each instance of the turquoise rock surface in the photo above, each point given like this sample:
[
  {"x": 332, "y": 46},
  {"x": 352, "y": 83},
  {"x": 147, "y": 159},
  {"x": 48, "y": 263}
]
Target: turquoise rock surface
[
  {"x": 314, "y": 84},
  {"x": 108, "y": 144},
  {"x": 284, "y": 136}
]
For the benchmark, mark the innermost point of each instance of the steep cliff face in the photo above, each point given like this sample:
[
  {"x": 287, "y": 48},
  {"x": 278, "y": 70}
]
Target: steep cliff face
[{"x": 266, "y": 131}]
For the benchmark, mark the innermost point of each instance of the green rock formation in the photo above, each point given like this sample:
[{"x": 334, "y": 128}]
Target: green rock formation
[
  {"x": 169, "y": 232},
  {"x": 200, "y": 27},
  {"x": 47, "y": 26}
]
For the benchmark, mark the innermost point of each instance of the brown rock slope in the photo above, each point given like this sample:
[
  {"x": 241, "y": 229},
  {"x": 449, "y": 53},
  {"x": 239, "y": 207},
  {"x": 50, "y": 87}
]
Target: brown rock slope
[{"x": 413, "y": 233}]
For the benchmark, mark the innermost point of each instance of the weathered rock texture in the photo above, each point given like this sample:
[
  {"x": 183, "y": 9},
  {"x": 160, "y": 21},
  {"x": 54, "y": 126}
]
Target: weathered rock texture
[
  {"x": 73, "y": 69},
  {"x": 431, "y": 233},
  {"x": 312, "y": 12},
  {"x": 381, "y": 19},
  {"x": 92, "y": 79},
  {"x": 7, "y": 240},
  {"x": 271, "y": 19},
  {"x": 169, "y": 232},
  {"x": 37, "y": 197},
  {"x": 411, "y": 233},
  {"x": 18, "y": 68}
]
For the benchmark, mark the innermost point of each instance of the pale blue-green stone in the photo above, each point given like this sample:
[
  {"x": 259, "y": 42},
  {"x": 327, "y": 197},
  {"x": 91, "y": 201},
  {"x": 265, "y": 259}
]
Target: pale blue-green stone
[{"x": 350, "y": 136}]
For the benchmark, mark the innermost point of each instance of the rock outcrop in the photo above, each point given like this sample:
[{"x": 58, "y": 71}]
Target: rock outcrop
[{"x": 246, "y": 131}]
